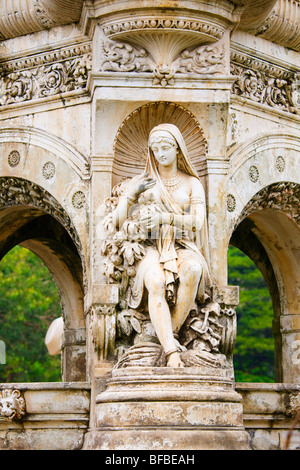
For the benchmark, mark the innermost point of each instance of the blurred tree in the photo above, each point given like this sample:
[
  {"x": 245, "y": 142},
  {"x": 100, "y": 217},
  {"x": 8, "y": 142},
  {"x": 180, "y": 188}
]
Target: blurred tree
[
  {"x": 254, "y": 348},
  {"x": 29, "y": 302}
]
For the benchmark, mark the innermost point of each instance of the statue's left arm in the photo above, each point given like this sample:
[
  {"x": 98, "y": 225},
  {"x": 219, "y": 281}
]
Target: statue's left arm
[{"x": 193, "y": 217}]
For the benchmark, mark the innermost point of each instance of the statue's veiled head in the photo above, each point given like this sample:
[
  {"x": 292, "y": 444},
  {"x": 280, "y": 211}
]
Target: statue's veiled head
[{"x": 168, "y": 137}]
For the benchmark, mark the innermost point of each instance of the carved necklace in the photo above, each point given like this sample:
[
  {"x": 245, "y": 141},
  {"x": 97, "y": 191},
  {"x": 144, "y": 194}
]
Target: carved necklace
[{"x": 173, "y": 183}]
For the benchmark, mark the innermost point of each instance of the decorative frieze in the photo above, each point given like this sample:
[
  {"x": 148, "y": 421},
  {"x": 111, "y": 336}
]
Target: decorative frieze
[
  {"x": 45, "y": 75},
  {"x": 282, "y": 196},
  {"x": 265, "y": 83},
  {"x": 103, "y": 329}
]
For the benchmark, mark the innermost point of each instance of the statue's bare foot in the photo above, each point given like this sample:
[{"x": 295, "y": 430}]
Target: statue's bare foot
[{"x": 174, "y": 360}]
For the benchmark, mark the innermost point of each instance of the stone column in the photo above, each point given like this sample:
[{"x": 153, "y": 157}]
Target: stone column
[{"x": 286, "y": 331}]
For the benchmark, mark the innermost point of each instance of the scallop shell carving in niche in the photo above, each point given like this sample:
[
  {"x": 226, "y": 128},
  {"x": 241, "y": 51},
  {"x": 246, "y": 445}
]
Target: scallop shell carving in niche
[{"x": 131, "y": 143}]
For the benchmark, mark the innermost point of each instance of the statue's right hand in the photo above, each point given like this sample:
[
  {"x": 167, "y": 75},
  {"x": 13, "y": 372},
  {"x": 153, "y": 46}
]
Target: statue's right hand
[{"x": 143, "y": 183}]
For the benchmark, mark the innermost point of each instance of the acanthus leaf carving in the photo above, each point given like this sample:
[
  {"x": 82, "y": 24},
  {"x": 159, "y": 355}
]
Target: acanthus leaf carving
[
  {"x": 283, "y": 196},
  {"x": 123, "y": 57}
]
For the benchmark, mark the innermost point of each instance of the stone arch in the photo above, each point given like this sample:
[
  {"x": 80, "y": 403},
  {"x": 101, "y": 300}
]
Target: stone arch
[
  {"x": 129, "y": 160},
  {"x": 31, "y": 217},
  {"x": 263, "y": 221},
  {"x": 268, "y": 231},
  {"x": 44, "y": 198}
]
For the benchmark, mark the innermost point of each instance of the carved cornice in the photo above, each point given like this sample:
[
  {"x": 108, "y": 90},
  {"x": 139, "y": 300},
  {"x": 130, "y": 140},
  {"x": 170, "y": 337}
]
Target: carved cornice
[
  {"x": 43, "y": 75},
  {"x": 159, "y": 35},
  {"x": 275, "y": 20},
  {"x": 200, "y": 61}
]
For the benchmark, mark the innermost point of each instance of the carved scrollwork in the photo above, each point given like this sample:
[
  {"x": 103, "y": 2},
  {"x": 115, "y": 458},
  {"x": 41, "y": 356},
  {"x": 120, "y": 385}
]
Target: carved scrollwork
[
  {"x": 15, "y": 191},
  {"x": 12, "y": 404},
  {"x": 48, "y": 75},
  {"x": 207, "y": 59},
  {"x": 123, "y": 57}
]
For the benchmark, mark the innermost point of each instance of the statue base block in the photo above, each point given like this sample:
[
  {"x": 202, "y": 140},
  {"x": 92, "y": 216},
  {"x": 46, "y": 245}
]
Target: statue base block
[{"x": 161, "y": 408}]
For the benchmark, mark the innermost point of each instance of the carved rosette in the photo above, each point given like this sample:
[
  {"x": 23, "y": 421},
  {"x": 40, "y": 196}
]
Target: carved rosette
[
  {"x": 103, "y": 329},
  {"x": 12, "y": 404}
]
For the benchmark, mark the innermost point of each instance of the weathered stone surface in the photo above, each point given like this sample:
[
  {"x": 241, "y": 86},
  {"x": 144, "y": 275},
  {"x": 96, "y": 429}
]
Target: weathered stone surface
[
  {"x": 56, "y": 418},
  {"x": 81, "y": 85}
]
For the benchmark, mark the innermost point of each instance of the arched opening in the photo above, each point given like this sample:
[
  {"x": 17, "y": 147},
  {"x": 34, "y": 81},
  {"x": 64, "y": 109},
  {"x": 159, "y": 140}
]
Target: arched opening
[
  {"x": 268, "y": 233},
  {"x": 29, "y": 302},
  {"x": 32, "y": 218},
  {"x": 253, "y": 357}
]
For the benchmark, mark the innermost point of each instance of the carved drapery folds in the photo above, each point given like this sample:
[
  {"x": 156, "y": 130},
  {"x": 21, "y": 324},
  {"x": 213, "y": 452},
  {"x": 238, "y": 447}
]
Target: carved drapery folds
[
  {"x": 41, "y": 76},
  {"x": 12, "y": 404}
]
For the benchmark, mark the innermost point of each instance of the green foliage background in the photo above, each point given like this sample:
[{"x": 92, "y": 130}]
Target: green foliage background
[
  {"x": 29, "y": 302},
  {"x": 254, "y": 349}
]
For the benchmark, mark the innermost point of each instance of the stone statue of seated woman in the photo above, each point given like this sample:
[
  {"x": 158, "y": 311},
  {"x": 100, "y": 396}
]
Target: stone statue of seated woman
[{"x": 157, "y": 249}]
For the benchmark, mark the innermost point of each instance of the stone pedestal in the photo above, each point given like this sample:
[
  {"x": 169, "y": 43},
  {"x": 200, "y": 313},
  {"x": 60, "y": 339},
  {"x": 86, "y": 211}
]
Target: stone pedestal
[{"x": 168, "y": 409}]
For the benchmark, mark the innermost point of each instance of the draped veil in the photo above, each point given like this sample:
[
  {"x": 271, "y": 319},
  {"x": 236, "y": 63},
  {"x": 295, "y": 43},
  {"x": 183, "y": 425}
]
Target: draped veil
[
  {"x": 200, "y": 238},
  {"x": 196, "y": 242}
]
